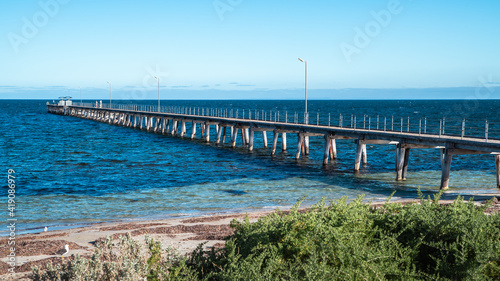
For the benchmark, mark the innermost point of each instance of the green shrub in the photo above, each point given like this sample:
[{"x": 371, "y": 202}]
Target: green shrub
[
  {"x": 342, "y": 241},
  {"x": 358, "y": 242}
]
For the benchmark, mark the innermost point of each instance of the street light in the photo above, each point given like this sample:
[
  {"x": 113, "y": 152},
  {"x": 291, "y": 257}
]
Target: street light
[
  {"x": 306, "y": 114},
  {"x": 109, "y": 94},
  {"x": 158, "y": 93}
]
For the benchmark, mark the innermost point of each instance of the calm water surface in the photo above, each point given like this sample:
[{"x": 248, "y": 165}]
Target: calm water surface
[{"x": 72, "y": 171}]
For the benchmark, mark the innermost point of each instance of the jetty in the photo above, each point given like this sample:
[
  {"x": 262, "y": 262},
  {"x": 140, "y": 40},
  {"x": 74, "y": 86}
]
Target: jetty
[{"x": 226, "y": 126}]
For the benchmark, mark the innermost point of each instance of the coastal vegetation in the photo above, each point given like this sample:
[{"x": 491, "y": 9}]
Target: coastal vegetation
[{"x": 338, "y": 241}]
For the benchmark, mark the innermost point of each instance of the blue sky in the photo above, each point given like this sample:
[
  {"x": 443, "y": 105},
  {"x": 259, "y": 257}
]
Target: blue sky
[{"x": 243, "y": 48}]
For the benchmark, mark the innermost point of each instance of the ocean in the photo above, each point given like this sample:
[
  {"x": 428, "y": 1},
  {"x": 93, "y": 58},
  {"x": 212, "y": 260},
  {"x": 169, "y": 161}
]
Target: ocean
[{"x": 72, "y": 172}]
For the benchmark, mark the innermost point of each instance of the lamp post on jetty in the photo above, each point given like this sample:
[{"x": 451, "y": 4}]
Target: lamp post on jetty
[
  {"x": 109, "y": 94},
  {"x": 306, "y": 117},
  {"x": 158, "y": 93}
]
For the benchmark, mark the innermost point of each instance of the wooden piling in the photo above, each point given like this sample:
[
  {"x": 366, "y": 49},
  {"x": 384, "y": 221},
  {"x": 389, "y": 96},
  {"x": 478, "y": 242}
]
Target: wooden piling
[
  {"x": 275, "y": 142},
  {"x": 405, "y": 163},
  {"x": 364, "y": 156},
  {"x": 224, "y": 135},
  {"x": 193, "y": 129},
  {"x": 219, "y": 134},
  {"x": 359, "y": 153},
  {"x": 234, "y": 137},
  {"x": 247, "y": 136},
  {"x": 445, "y": 174},
  {"x": 264, "y": 138},
  {"x": 283, "y": 141},
  {"x": 183, "y": 128},
  {"x": 299, "y": 145},
  {"x": 207, "y": 132},
  {"x": 328, "y": 144},
  {"x": 400, "y": 158},
  {"x": 243, "y": 137},
  {"x": 497, "y": 164},
  {"x": 333, "y": 149},
  {"x": 250, "y": 141},
  {"x": 306, "y": 145}
]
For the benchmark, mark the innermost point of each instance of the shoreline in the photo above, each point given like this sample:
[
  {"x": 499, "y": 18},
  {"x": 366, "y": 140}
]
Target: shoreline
[
  {"x": 182, "y": 233},
  {"x": 38, "y": 228}
]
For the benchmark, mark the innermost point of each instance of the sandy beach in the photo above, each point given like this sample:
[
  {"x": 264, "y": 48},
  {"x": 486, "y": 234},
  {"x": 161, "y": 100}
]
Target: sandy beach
[{"x": 184, "y": 234}]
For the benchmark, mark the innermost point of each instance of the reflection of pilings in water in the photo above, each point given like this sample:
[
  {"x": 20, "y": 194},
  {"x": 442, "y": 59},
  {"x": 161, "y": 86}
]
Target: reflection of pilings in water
[{"x": 175, "y": 124}]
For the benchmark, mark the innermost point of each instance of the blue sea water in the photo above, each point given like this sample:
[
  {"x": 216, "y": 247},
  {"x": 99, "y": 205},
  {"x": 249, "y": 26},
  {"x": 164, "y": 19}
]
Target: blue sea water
[{"x": 71, "y": 171}]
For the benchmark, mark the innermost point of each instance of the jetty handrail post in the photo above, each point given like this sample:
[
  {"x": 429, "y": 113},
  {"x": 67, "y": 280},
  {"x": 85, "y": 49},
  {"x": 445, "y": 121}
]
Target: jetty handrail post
[
  {"x": 329, "y": 119},
  {"x": 463, "y": 128},
  {"x": 355, "y": 122},
  {"x": 364, "y": 121},
  {"x": 444, "y": 122},
  {"x": 286, "y": 116},
  {"x": 420, "y": 126},
  {"x": 352, "y": 118},
  {"x": 317, "y": 118},
  {"x": 408, "y": 127},
  {"x": 369, "y": 123},
  {"x": 425, "y": 125},
  {"x": 392, "y": 123},
  {"x": 440, "y": 126},
  {"x": 295, "y": 117},
  {"x": 377, "y": 121},
  {"x": 341, "y": 120},
  {"x": 385, "y": 123},
  {"x": 401, "y": 125},
  {"x": 486, "y": 127}
]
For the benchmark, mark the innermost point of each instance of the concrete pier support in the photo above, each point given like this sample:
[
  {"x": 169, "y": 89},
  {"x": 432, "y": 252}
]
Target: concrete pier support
[
  {"x": 275, "y": 142},
  {"x": 405, "y": 163},
  {"x": 364, "y": 156},
  {"x": 264, "y": 138},
  {"x": 300, "y": 142},
  {"x": 283, "y": 141},
  {"x": 243, "y": 137},
  {"x": 219, "y": 134},
  {"x": 446, "y": 156},
  {"x": 183, "y": 128},
  {"x": 234, "y": 137},
  {"x": 207, "y": 132},
  {"x": 193, "y": 130},
  {"x": 400, "y": 159},
  {"x": 306, "y": 145},
  {"x": 326, "y": 154},
  {"x": 175, "y": 127},
  {"x": 250, "y": 140},
  {"x": 333, "y": 149},
  {"x": 359, "y": 154},
  {"x": 247, "y": 136},
  {"x": 497, "y": 164},
  {"x": 156, "y": 124},
  {"x": 224, "y": 135}
]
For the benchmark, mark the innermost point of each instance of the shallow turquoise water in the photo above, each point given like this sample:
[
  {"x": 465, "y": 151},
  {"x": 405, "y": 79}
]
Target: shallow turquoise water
[{"x": 72, "y": 171}]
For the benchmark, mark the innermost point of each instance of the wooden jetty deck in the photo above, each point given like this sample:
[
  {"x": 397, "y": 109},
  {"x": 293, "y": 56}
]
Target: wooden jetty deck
[{"x": 232, "y": 124}]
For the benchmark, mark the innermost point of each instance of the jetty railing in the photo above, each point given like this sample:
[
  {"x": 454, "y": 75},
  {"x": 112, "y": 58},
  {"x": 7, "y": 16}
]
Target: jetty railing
[{"x": 470, "y": 128}]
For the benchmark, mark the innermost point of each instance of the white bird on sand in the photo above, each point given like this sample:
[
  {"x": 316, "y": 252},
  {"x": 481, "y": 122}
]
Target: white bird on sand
[
  {"x": 45, "y": 229},
  {"x": 64, "y": 251}
]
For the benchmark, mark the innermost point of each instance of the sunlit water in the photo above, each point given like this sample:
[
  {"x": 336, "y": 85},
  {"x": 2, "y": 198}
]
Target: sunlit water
[{"x": 72, "y": 171}]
